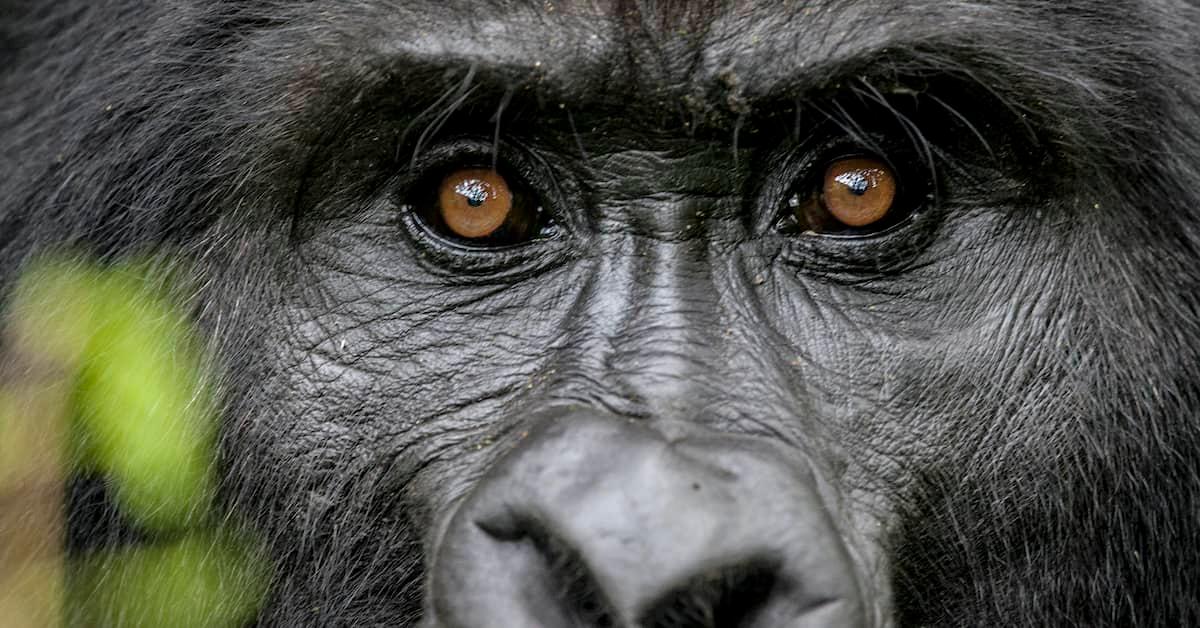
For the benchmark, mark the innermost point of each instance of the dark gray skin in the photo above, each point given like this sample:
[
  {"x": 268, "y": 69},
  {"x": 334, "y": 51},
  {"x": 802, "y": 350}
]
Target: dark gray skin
[{"x": 666, "y": 408}]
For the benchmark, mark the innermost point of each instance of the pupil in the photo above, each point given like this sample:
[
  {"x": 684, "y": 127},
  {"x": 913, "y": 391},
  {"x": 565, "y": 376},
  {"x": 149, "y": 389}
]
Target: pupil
[
  {"x": 856, "y": 182},
  {"x": 474, "y": 190}
]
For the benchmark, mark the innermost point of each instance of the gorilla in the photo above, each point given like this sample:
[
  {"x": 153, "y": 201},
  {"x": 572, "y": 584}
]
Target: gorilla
[{"x": 658, "y": 313}]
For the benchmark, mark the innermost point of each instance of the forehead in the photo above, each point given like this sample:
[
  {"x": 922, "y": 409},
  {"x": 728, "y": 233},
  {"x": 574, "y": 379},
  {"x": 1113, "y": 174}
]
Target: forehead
[{"x": 661, "y": 43}]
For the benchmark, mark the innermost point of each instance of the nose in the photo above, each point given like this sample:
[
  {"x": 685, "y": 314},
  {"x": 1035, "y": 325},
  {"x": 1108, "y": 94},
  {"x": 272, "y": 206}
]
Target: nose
[{"x": 596, "y": 522}]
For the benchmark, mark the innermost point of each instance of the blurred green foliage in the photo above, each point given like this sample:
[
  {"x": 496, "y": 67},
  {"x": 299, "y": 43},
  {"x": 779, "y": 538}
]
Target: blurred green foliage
[
  {"x": 203, "y": 579},
  {"x": 143, "y": 414}
]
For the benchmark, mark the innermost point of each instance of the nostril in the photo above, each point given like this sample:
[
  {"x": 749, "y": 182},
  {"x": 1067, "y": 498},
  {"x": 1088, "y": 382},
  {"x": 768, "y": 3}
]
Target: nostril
[
  {"x": 593, "y": 523},
  {"x": 730, "y": 597},
  {"x": 567, "y": 576}
]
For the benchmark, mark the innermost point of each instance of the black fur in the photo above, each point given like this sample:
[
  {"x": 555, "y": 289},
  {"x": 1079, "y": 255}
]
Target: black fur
[{"x": 1006, "y": 403}]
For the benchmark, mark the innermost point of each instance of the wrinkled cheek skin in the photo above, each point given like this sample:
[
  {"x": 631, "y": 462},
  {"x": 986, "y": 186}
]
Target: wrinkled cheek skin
[
  {"x": 655, "y": 314},
  {"x": 378, "y": 428}
]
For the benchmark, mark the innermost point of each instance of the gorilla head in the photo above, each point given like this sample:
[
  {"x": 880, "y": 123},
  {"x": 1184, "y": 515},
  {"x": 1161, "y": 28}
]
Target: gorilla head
[{"x": 662, "y": 314}]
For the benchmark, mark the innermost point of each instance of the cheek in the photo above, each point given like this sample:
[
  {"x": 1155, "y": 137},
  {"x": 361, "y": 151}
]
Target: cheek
[
  {"x": 971, "y": 342},
  {"x": 363, "y": 367}
]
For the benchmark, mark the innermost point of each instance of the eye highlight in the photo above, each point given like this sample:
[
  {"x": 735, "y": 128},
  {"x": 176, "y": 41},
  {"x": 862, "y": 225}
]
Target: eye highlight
[
  {"x": 859, "y": 191},
  {"x": 856, "y": 195},
  {"x": 474, "y": 203},
  {"x": 479, "y": 208}
]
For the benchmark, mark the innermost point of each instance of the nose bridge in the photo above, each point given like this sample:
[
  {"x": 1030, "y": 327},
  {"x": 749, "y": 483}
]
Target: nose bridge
[
  {"x": 669, "y": 340},
  {"x": 664, "y": 216},
  {"x": 647, "y": 331},
  {"x": 674, "y": 311}
]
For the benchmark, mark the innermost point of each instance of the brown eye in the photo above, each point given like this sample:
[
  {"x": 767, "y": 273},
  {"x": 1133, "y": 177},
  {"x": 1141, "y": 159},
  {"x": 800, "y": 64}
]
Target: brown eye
[
  {"x": 479, "y": 208},
  {"x": 857, "y": 193},
  {"x": 474, "y": 203}
]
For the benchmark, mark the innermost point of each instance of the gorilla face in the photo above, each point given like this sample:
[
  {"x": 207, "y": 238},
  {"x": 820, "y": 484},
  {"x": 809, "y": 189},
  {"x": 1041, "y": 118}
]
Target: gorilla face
[{"x": 664, "y": 314}]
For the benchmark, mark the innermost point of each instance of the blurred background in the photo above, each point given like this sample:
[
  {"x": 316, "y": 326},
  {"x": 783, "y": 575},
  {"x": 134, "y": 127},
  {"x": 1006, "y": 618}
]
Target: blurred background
[{"x": 102, "y": 377}]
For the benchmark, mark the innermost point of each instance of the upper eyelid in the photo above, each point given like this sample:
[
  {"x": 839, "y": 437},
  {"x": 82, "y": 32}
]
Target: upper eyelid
[{"x": 467, "y": 151}]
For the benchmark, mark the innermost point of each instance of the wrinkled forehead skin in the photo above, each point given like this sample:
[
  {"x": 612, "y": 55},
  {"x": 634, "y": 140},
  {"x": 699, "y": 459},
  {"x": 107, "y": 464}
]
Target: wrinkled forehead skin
[{"x": 588, "y": 50}]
